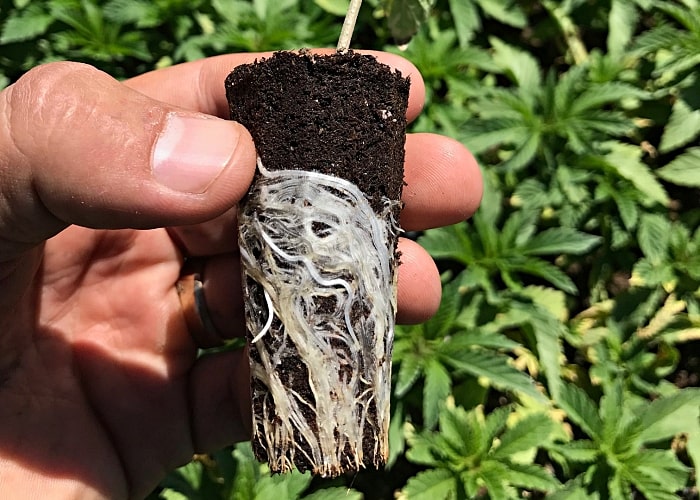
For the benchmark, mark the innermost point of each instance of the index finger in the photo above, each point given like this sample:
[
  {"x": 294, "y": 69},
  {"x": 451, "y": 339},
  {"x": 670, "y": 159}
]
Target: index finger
[{"x": 199, "y": 85}]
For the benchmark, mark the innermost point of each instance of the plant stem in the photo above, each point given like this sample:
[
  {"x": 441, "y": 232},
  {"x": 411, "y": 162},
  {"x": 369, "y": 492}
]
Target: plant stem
[
  {"x": 348, "y": 26},
  {"x": 570, "y": 31}
]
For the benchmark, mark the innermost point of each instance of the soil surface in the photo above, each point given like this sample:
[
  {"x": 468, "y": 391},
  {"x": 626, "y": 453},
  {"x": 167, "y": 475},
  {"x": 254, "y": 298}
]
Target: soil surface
[{"x": 340, "y": 115}]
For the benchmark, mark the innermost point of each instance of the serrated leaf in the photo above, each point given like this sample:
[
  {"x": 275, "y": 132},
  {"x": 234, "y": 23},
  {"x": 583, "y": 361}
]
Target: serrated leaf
[
  {"x": 604, "y": 93},
  {"x": 466, "y": 20},
  {"x": 25, "y": 24},
  {"x": 495, "y": 422},
  {"x": 610, "y": 412},
  {"x": 581, "y": 410},
  {"x": 495, "y": 368},
  {"x": 531, "y": 477},
  {"x": 547, "y": 331},
  {"x": 654, "y": 237},
  {"x": 434, "y": 484},
  {"x": 438, "y": 385},
  {"x": 553, "y": 301},
  {"x": 524, "y": 153},
  {"x": 290, "y": 485},
  {"x": 505, "y": 11},
  {"x": 661, "y": 466},
  {"x": 559, "y": 240},
  {"x": 444, "y": 319},
  {"x": 545, "y": 270},
  {"x": 530, "y": 432},
  {"x": 449, "y": 242},
  {"x": 683, "y": 127},
  {"x": 684, "y": 170},
  {"x": 649, "y": 487},
  {"x": 625, "y": 159},
  {"x": 581, "y": 450},
  {"x": 521, "y": 66},
  {"x": 667, "y": 416},
  {"x": 622, "y": 21},
  {"x": 494, "y": 476},
  {"x": 409, "y": 371},
  {"x": 647, "y": 274},
  {"x": 461, "y": 430}
]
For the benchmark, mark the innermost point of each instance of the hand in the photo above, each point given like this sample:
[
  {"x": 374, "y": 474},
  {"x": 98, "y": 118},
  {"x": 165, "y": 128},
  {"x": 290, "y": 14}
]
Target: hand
[{"x": 101, "y": 390}]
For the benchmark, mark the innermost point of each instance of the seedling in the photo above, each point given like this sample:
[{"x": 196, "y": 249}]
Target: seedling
[{"x": 318, "y": 236}]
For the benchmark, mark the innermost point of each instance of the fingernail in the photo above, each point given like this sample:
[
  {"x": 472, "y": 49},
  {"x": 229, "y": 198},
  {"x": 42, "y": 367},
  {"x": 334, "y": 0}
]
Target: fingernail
[{"x": 192, "y": 151}]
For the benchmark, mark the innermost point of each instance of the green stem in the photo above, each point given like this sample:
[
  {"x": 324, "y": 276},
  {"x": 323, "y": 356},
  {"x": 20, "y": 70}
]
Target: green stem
[
  {"x": 348, "y": 26},
  {"x": 569, "y": 30}
]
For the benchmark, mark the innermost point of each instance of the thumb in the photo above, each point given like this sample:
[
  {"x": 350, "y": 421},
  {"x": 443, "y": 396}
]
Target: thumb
[{"x": 78, "y": 147}]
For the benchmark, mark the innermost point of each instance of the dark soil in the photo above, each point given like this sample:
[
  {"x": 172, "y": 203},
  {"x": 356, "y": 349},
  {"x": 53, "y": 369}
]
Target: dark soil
[{"x": 341, "y": 115}]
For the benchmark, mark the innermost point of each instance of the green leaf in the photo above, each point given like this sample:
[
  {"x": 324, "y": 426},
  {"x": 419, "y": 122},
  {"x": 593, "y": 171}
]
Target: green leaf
[
  {"x": 581, "y": 450},
  {"x": 461, "y": 429},
  {"x": 333, "y": 493},
  {"x": 531, "y": 477},
  {"x": 438, "y": 386},
  {"x": 335, "y": 7},
  {"x": 581, "y": 410},
  {"x": 559, "y": 240},
  {"x": 406, "y": 16},
  {"x": 466, "y": 20},
  {"x": 684, "y": 170},
  {"x": 449, "y": 242},
  {"x": 495, "y": 368},
  {"x": 545, "y": 270},
  {"x": 622, "y": 21},
  {"x": 495, "y": 422},
  {"x": 521, "y": 66},
  {"x": 494, "y": 476},
  {"x": 410, "y": 370},
  {"x": 443, "y": 320},
  {"x": 647, "y": 274},
  {"x": 649, "y": 487},
  {"x": 683, "y": 126},
  {"x": 604, "y": 93},
  {"x": 247, "y": 473},
  {"x": 505, "y": 11},
  {"x": 625, "y": 159},
  {"x": 671, "y": 415},
  {"x": 290, "y": 485},
  {"x": 530, "y": 432},
  {"x": 662, "y": 466},
  {"x": 547, "y": 331},
  {"x": 654, "y": 237},
  {"x": 25, "y": 24},
  {"x": 434, "y": 484}
]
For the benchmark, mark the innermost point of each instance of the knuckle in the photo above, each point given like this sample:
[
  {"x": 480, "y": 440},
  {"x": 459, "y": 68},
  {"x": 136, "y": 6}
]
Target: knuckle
[{"x": 48, "y": 95}]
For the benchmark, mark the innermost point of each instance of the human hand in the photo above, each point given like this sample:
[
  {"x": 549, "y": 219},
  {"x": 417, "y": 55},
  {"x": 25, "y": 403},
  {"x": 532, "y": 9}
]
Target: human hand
[{"x": 105, "y": 187}]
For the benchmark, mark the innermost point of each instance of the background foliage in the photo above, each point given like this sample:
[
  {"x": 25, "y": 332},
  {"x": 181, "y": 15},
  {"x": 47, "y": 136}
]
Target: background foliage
[{"x": 563, "y": 360}]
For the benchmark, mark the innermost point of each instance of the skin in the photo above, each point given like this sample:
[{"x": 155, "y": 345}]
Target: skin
[{"x": 101, "y": 390}]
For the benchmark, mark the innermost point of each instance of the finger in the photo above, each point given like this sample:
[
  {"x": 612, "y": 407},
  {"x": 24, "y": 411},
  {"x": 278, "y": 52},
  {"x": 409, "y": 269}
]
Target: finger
[
  {"x": 220, "y": 400},
  {"x": 199, "y": 85},
  {"x": 213, "y": 237},
  {"x": 443, "y": 182},
  {"x": 78, "y": 147},
  {"x": 222, "y": 291},
  {"x": 419, "y": 284}
]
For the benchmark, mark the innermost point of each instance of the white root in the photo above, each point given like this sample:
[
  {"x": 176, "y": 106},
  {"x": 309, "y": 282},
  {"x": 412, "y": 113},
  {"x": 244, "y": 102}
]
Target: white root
[{"x": 322, "y": 260}]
